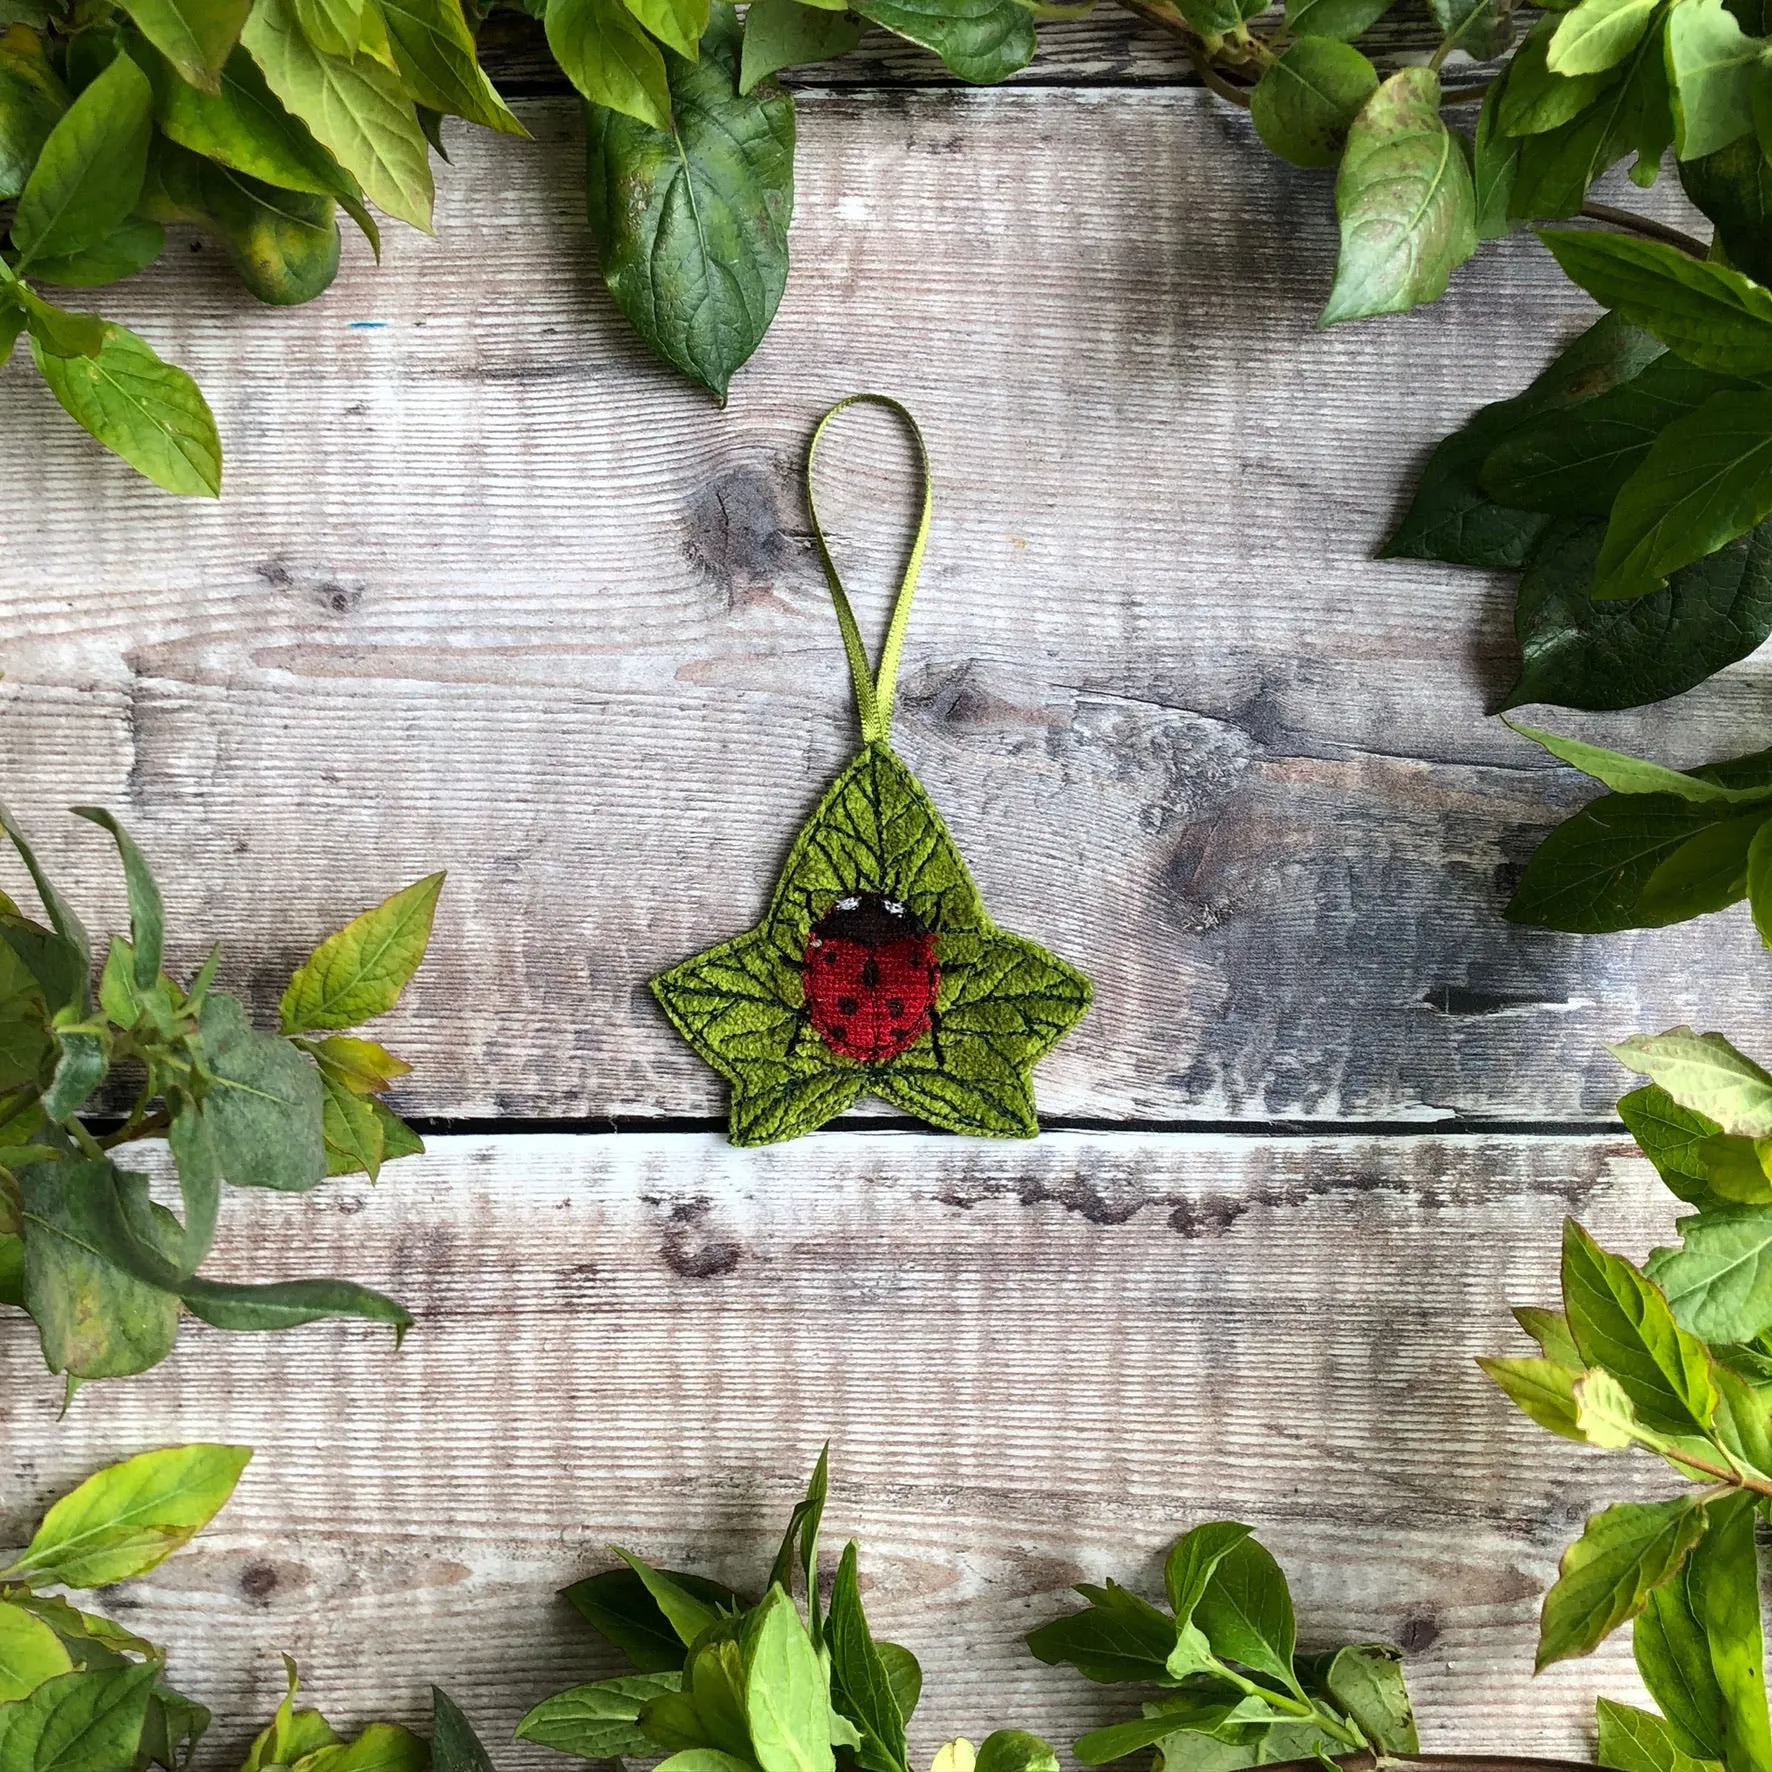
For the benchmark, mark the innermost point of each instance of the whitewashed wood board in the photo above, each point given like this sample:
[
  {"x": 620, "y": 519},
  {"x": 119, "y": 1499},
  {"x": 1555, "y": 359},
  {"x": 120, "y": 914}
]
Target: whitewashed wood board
[
  {"x": 491, "y": 590},
  {"x": 1036, "y": 1365}
]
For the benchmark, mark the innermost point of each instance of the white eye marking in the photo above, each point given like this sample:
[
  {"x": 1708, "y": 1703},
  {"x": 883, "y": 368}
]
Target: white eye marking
[
  {"x": 894, "y": 907},
  {"x": 848, "y": 904}
]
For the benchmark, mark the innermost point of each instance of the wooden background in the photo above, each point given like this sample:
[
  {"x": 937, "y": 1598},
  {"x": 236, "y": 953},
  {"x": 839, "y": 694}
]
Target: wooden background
[{"x": 490, "y": 589}]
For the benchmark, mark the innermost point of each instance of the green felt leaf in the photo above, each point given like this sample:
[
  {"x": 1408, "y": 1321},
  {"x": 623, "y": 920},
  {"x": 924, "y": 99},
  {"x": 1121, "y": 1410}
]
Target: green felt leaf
[
  {"x": 265, "y": 1106},
  {"x": 1406, "y": 203},
  {"x": 1451, "y": 517},
  {"x": 1002, "y": 1004},
  {"x": 604, "y": 53},
  {"x": 1575, "y": 462},
  {"x": 1633, "y": 1740},
  {"x": 1577, "y": 653},
  {"x": 1704, "y": 1073},
  {"x": 1710, "y": 315},
  {"x": 359, "y": 972},
  {"x": 620, "y": 1606},
  {"x": 982, "y": 41},
  {"x": 1541, "y": 1389},
  {"x": 1714, "y": 65},
  {"x": 149, "y": 412},
  {"x": 196, "y": 36},
  {"x": 1719, "y": 1283},
  {"x": 597, "y": 1721},
  {"x": 785, "y": 34},
  {"x": 283, "y": 244},
  {"x": 1307, "y": 99},
  {"x": 861, "y": 1686},
  {"x": 30, "y": 1653},
  {"x": 1706, "y": 480},
  {"x": 85, "y": 1721},
  {"x": 132, "y": 248},
  {"x": 1605, "y": 1576},
  {"x": 786, "y": 1694},
  {"x": 691, "y": 225},
  {"x": 1733, "y": 186},
  {"x": 32, "y": 101},
  {"x": 435, "y": 50},
  {"x": 1340, "y": 19},
  {"x": 89, "y": 174},
  {"x": 130, "y": 1517},
  {"x": 1597, "y": 35},
  {"x": 1621, "y": 1322},
  {"x": 83, "y": 1055},
  {"x": 1537, "y": 99},
  {"x": 1118, "y": 1638},
  {"x": 356, "y": 108},
  {"x": 454, "y": 1745},
  {"x": 677, "y": 24}
]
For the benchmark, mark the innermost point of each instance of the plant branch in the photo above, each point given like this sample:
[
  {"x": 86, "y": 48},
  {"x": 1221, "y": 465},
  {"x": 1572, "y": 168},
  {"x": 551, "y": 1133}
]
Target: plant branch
[
  {"x": 1641, "y": 224},
  {"x": 137, "y": 1126},
  {"x": 1162, "y": 12}
]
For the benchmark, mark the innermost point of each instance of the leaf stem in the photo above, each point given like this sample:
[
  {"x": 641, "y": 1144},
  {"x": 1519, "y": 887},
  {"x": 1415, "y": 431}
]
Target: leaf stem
[
  {"x": 1642, "y": 224},
  {"x": 138, "y": 1125},
  {"x": 84, "y": 1139},
  {"x": 1162, "y": 12}
]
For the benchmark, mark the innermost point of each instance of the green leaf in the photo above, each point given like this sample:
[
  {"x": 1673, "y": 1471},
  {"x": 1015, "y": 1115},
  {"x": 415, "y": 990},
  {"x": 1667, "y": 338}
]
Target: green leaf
[
  {"x": 83, "y": 1057},
  {"x": 1673, "y": 1656},
  {"x": 1707, "y": 480},
  {"x": 172, "y": 1729},
  {"x": 351, "y": 1130},
  {"x": 597, "y": 1722},
  {"x": 78, "y": 1722},
  {"x": 803, "y": 1525},
  {"x": 359, "y": 972},
  {"x": 1119, "y": 1638},
  {"x": 1705, "y": 1073},
  {"x": 1575, "y": 462},
  {"x": 686, "y": 1611},
  {"x": 1014, "y": 1750},
  {"x": 1541, "y": 1389},
  {"x": 1706, "y": 873},
  {"x": 1192, "y": 1561},
  {"x": 1406, "y": 203},
  {"x": 1577, "y": 653},
  {"x": 30, "y": 1653},
  {"x": 128, "y": 1518},
  {"x": 1536, "y": 99},
  {"x": 149, "y": 412},
  {"x": 1246, "y": 1612},
  {"x": 358, "y": 110},
  {"x": 1452, "y": 518},
  {"x": 333, "y": 27},
  {"x": 785, "y": 34},
  {"x": 287, "y": 1304},
  {"x": 1733, "y": 186},
  {"x": 1719, "y": 1283},
  {"x": 32, "y": 100},
  {"x": 454, "y": 1745},
  {"x": 132, "y": 248},
  {"x": 57, "y": 332},
  {"x": 1495, "y": 158},
  {"x": 397, "y": 1138},
  {"x": 1342, "y": 19},
  {"x": 1482, "y": 28},
  {"x": 981, "y": 41},
  {"x": 1598, "y": 35},
  {"x": 861, "y": 1686},
  {"x": 147, "y": 914},
  {"x": 1723, "y": 1587},
  {"x": 604, "y": 53},
  {"x": 435, "y": 50},
  {"x": 265, "y": 1105},
  {"x": 621, "y": 1607},
  {"x": 1625, "y": 774},
  {"x": 90, "y": 172},
  {"x": 1671, "y": 1137},
  {"x": 678, "y": 24},
  {"x": 691, "y": 226},
  {"x": 1550, "y": 1329},
  {"x": 1366, "y": 1680},
  {"x": 194, "y": 35},
  {"x": 1607, "y": 1573},
  {"x": 1635, "y": 1740},
  {"x": 1307, "y": 99},
  {"x": 1713, "y": 65},
  {"x": 1710, "y": 315},
  {"x": 786, "y": 1695},
  {"x": 291, "y": 1735}
]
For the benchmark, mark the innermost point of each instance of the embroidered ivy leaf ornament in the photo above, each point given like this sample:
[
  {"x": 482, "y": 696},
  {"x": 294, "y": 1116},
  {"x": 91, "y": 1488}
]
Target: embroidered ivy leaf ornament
[{"x": 876, "y": 970}]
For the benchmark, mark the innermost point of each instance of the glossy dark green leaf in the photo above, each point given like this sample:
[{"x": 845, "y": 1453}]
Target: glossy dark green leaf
[
  {"x": 784, "y": 34},
  {"x": 1481, "y": 28},
  {"x": 982, "y": 41},
  {"x": 1118, "y": 1638},
  {"x": 1404, "y": 196},
  {"x": 691, "y": 227},
  {"x": 1307, "y": 99},
  {"x": 861, "y": 1687},
  {"x": 619, "y": 1605},
  {"x": 454, "y": 1745},
  {"x": 1451, "y": 518},
  {"x": 89, "y": 174},
  {"x": 1733, "y": 187},
  {"x": 1495, "y": 159},
  {"x": 1708, "y": 872},
  {"x": 32, "y": 100}
]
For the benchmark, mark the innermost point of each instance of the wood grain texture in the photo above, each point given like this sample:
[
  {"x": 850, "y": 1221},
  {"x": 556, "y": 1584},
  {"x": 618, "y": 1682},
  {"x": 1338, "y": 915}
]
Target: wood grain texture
[
  {"x": 1036, "y": 1366},
  {"x": 491, "y": 589}
]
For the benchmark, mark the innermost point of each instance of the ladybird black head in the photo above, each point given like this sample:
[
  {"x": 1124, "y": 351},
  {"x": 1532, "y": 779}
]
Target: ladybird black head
[{"x": 869, "y": 919}]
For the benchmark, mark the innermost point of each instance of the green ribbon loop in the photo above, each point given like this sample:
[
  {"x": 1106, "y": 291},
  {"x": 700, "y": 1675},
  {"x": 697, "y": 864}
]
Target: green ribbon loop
[{"x": 873, "y": 689}]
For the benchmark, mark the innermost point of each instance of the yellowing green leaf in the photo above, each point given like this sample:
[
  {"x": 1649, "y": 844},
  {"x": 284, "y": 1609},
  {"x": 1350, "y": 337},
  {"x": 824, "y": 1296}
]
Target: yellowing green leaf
[
  {"x": 359, "y": 972},
  {"x": 30, "y": 1653},
  {"x": 1598, "y": 35},
  {"x": 1705, "y": 1073},
  {"x": 604, "y": 53},
  {"x": 194, "y": 35}
]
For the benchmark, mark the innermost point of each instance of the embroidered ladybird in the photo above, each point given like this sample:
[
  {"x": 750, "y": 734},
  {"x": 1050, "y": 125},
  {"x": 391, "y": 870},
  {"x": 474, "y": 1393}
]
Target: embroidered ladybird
[{"x": 870, "y": 978}]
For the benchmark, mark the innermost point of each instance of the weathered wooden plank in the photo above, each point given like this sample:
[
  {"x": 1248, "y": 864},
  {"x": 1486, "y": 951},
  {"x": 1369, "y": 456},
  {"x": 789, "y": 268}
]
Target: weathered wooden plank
[
  {"x": 491, "y": 589},
  {"x": 1036, "y": 1366}
]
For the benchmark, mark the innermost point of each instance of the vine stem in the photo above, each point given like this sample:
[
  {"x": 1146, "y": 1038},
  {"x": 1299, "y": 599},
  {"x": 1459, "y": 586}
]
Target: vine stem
[
  {"x": 1161, "y": 12},
  {"x": 1642, "y": 224}
]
